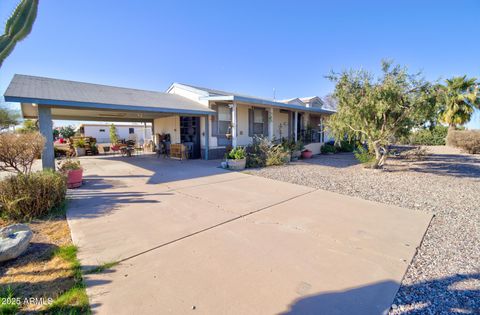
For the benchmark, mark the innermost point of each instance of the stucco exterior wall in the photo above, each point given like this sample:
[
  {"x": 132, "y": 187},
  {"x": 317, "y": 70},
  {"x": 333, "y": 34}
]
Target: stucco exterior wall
[
  {"x": 188, "y": 94},
  {"x": 280, "y": 124},
  {"x": 242, "y": 130},
  {"x": 212, "y": 143},
  {"x": 314, "y": 147},
  {"x": 169, "y": 125}
]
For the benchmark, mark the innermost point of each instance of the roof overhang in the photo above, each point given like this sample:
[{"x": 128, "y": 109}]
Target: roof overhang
[
  {"x": 71, "y": 100},
  {"x": 71, "y": 110},
  {"x": 231, "y": 98}
]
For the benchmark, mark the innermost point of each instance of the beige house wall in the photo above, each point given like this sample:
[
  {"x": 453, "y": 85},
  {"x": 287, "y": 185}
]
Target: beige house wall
[
  {"x": 280, "y": 124},
  {"x": 169, "y": 125}
]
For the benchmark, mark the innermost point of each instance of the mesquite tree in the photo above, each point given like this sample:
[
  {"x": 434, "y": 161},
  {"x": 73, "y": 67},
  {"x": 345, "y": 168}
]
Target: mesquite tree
[{"x": 375, "y": 110}]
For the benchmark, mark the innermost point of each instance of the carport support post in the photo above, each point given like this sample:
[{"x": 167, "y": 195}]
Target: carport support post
[
  {"x": 144, "y": 134},
  {"x": 234, "y": 124},
  {"x": 207, "y": 136},
  {"x": 270, "y": 124},
  {"x": 154, "y": 138},
  {"x": 295, "y": 126},
  {"x": 46, "y": 129}
]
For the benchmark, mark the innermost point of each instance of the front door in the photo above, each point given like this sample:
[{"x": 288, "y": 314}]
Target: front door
[{"x": 190, "y": 133}]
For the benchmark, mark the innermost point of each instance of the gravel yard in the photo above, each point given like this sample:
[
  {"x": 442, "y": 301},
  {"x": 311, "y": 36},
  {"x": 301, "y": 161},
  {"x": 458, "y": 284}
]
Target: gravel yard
[{"x": 444, "y": 276}]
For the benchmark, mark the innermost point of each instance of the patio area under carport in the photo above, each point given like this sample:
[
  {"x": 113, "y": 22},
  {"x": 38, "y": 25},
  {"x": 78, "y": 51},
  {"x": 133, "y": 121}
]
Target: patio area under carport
[{"x": 49, "y": 99}]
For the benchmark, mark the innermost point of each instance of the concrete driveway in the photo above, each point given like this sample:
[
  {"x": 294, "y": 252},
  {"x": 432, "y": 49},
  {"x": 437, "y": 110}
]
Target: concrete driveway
[{"x": 195, "y": 239}]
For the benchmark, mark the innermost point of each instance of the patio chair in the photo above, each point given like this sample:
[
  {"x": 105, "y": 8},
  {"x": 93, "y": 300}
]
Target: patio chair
[
  {"x": 189, "y": 149},
  {"x": 139, "y": 150},
  {"x": 163, "y": 148},
  {"x": 115, "y": 149}
]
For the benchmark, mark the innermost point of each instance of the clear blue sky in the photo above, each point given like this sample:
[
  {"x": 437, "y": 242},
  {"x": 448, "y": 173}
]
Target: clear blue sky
[{"x": 244, "y": 46}]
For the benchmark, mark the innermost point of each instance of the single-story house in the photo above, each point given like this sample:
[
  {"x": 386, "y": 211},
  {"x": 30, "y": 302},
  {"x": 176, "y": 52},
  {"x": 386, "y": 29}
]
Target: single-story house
[
  {"x": 140, "y": 133},
  {"x": 211, "y": 119}
]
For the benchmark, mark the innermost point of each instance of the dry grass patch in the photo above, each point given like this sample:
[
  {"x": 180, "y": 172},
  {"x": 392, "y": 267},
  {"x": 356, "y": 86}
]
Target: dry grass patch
[{"x": 48, "y": 269}]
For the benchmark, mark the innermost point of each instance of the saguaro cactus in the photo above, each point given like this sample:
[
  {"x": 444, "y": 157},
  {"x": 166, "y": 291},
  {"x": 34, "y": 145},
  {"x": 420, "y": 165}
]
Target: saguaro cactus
[{"x": 18, "y": 26}]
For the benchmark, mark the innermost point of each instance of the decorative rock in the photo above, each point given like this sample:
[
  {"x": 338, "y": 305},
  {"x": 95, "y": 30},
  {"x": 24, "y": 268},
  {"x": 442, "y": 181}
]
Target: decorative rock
[{"x": 14, "y": 240}]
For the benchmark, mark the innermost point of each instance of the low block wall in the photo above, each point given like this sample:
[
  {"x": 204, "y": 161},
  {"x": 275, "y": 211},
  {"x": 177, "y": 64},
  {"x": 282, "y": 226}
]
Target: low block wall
[{"x": 314, "y": 147}]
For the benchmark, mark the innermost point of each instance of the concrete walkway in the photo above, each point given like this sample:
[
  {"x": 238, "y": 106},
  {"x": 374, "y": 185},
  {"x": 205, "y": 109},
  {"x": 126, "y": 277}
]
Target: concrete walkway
[{"x": 195, "y": 239}]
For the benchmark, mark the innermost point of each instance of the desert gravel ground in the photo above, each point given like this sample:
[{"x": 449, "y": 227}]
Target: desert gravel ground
[{"x": 444, "y": 276}]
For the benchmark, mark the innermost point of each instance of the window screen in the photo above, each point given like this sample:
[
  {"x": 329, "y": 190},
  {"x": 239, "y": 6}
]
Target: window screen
[
  {"x": 224, "y": 113},
  {"x": 258, "y": 121},
  {"x": 224, "y": 119}
]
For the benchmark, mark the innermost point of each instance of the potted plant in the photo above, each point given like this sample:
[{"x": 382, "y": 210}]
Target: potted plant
[
  {"x": 79, "y": 145},
  {"x": 74, "y": 172},
  {"x": 297, "y": 150},
  {"x": 307, "y": 154},
  {"x": 237, "y": 159}
]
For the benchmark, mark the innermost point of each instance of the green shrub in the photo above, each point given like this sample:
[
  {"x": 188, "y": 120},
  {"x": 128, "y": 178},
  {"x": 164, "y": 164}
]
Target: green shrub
[
  {"x": 263, "y": 153},
  {"x": 436, "y": 136},
  {"x": 28, "y": 196},
  {"x": 363, "y": 155},
  {"x": 328, "y": 148},
  {"x": 291, "y": 145},
  {"x": 467, "y": 140},
  {"x": 68, "y": 165},
  {"x": 277, "y": 155},
  {"x": 79, "y": 143},
  {"x": 237, "y": 153},
  {"x": 346, "y": 146}
]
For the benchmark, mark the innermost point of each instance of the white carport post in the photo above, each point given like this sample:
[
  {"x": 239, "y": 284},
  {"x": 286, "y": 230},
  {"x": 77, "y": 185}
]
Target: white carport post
[
  {"x": 270, "y": 124},
  {"x": 234, "y": 124},
  {"x": 144, "y": 134},
  {"x": 295, "y": 126},
  {"x": 207, "y": 136},
  {"x": 46, "y": 129}
]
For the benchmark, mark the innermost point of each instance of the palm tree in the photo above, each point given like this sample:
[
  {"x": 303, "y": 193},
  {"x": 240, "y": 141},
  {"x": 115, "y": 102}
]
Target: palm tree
[
  {"x": 18, "y": 26},
  {"x": 459, "y": 99}
]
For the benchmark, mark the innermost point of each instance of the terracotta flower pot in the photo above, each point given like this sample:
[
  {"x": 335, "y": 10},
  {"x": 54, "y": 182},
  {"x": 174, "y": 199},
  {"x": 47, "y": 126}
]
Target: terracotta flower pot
[
  {"x": 307, "y": 154},
  {"x": 74, "y": 178}
]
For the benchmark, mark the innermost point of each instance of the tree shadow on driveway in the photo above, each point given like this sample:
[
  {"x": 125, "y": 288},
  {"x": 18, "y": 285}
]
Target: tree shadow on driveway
[{"x": 94, "y": 199}]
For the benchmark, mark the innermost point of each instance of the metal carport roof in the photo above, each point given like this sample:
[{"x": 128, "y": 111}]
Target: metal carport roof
[{"x": 87, "y": 101}]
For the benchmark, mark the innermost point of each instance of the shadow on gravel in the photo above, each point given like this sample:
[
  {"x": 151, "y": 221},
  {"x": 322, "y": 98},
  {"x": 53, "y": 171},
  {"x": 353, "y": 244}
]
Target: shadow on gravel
[
  {"x": 338, "y": 160},
  {"x": 448, "y": 165},
  {"x": 459, "y": 294}
]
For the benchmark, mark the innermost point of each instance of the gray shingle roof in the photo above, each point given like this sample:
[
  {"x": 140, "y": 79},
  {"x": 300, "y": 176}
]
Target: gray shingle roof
[{"x": 32, "y": 89}]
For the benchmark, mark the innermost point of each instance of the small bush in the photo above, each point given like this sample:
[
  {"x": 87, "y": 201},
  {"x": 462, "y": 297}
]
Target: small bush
[
  {"x": 79, "y": 143},
  {"x": 263, "y": 153},
  {"x": 436, "y": 136},
  {"x": 328, "y": 148},
  {"x": 346, "y": 146},
  {"x": 28, "y": 196},
  {"x": 417, "y": 153},
  {"x": 363, "y": 155},
  {"x": 68, "y": 165},
  {"x": 237, "y": 153},
  {"x": 467, "y": 140},
  {"x": 19, "y": 151},
  {"x": 277, "y": 155}
]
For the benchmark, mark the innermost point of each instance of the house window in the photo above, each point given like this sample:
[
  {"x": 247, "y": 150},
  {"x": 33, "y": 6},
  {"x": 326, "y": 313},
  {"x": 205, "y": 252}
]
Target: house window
[
  {"x": 224, "y": 119},
  {"x": 131, "y": 130},
  {"x": 258, "y": 121},
  {"x": 102, "y": 130}
]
